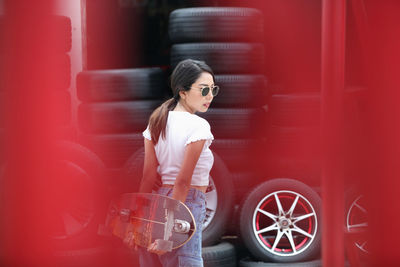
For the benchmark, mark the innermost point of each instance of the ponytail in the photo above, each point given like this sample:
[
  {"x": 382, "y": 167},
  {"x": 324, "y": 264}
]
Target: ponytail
[
  {"x": 158, "y": 119},
  {"x": 183, "y": 76}
]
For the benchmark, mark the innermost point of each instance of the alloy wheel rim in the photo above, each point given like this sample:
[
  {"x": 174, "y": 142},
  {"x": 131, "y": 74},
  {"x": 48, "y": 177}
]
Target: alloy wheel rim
[
  {"x": 356, "y": 220},
  {"x": 211, "y": 203},
  {"x": 284, "y": 223}
]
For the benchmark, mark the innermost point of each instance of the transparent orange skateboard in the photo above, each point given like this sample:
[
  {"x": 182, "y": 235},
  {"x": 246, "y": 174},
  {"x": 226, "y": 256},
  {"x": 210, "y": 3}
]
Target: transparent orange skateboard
[{"x": 150, "y": 218}]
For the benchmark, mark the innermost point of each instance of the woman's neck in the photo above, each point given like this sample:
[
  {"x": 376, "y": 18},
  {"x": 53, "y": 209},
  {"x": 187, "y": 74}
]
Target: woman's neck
[{"x": 182, "y": 107}]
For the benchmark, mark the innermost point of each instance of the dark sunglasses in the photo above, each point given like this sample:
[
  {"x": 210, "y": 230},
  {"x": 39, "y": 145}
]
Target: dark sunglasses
[{"x": 206, "y": 90}]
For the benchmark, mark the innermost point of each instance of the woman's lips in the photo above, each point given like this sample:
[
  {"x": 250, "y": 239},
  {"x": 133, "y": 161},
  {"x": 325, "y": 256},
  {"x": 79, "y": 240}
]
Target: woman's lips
[{"x": 206, "y": 105}]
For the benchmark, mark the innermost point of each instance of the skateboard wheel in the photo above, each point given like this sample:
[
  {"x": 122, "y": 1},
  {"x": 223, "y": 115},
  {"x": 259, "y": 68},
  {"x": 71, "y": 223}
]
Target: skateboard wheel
[{"x": 181, "y": 226}]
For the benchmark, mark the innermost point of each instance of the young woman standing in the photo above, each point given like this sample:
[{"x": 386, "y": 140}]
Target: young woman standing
[{"x": 177, "y": 148}]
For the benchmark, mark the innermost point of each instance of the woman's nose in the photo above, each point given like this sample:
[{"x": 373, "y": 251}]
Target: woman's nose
[{"x": 210, "y": 95}]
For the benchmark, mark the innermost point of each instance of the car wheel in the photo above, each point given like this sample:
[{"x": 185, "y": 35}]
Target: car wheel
[
  {"x": 219, "y": 202},
  {"x": 78, "y": 191},
  {"x": 280, "y": 221},
  {"x": 357, "y": 221}
]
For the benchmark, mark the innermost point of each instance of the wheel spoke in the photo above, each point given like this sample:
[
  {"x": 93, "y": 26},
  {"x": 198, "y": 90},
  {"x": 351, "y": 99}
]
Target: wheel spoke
[
  {"x": 301, "y": 231},
  {"x": 360, "y": 207},
  {"x": 277, "y": 239},
  {"x": 297, "y": 219},
  {"x": 290, "y": 237},
  {"x": 267, "y": 229},
  {"x": 360, "y": 225},
  {"x": 293, "y": 206},
  {"x": 278, "y": 203},
  {"x": 362, "y": 246},
  {"x": 266, "y": 213}
]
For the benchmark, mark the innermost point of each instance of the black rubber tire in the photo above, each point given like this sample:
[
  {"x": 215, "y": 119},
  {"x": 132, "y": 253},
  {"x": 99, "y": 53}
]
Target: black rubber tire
[
  {"x": 58, "y": 103},
  {"x": 243, "y": 123},
  {"x": 61, "y": 37},
  {"x": 103, "y": 254},
  {"x": 59, "y": 32},
  {"x": 221, "y": 255},
  {"x": 223, "y": 58},
  {"x": 244, "y": 181},
  {"x": 113, "y": 149},
  {"x": 116, "y": 117},
  {"x": 239, "y": 154},
  {"x": 305, "y": 170},
  {"x": 241, "y": 91},
  {"x": 132, "y": 175},
  {"x": 246, "y": 262},
  {"x": 224, "y": 186},
  {"x": 215, "y": 24},
  {"x": 295, "y": 110},
  {"x": 93, "y": 256},
  {"x": 79, "y": 192},
  {"x": 294, "y": 142},
  {"x": 311, "y": 250},
  {"x": 132, "y": 172},
  {"x": 82, "y": 159},
  {"x": 121, "y": 85}
]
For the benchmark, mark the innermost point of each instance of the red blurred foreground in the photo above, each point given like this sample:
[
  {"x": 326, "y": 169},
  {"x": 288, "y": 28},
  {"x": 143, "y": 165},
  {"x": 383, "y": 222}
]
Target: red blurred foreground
[{"x": 30, "y": 194}]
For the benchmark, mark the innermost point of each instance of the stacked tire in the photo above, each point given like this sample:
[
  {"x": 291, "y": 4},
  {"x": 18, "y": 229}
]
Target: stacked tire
[
  {"x": 114, "y": 110},
  {"x": 293, "y": 136},
  {"x": 61, "y": 41},
  {"x": 229, "y": 41},
  {"x": 58, "y": 97},
  {"x": 280, "y": 219},
  {"x": 79, "y": 186}
]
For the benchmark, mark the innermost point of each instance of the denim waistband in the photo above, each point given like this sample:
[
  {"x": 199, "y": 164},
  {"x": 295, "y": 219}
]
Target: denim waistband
[{"x": 193, "y": 193}]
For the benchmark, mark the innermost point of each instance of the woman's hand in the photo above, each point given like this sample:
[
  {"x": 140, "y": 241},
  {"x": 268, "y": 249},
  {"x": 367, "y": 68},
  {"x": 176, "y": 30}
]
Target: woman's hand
[
  {"x": 129, "y": 241},
  {"x": 153, "y": 249}
]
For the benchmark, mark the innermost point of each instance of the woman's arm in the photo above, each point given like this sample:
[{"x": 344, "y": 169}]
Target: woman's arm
[
  {"x": 184, "y": 178},
  {"x": 150, "y": 167}
]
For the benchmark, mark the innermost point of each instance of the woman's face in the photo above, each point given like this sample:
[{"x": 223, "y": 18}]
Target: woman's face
[{"x": 193, "y": 100}]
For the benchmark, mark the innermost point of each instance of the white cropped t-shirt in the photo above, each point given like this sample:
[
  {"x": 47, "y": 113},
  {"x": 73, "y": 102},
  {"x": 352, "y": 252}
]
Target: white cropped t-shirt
[{"x": 182, "y": 129}]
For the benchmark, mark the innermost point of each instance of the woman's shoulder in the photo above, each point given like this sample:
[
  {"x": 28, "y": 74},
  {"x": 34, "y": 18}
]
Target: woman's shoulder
[
  {"x": 200, "y": 121},
  {"x": 190, "y": 120}
]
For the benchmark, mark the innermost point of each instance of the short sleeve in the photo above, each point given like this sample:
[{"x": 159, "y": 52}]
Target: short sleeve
[
  {"x": 202, "y": 131},
  {"x": 146, "y": 133}
]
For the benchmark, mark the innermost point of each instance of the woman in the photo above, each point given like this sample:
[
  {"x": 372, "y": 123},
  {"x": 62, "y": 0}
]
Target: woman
[{"x": 177, "y": 148}]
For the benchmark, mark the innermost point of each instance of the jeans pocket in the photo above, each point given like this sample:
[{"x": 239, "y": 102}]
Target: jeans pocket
[{"x": 185, "y": 261}]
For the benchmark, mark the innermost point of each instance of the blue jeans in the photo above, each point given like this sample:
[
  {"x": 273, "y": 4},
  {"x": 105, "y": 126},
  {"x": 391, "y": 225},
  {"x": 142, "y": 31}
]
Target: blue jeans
[{"x": 189, "y": 255}]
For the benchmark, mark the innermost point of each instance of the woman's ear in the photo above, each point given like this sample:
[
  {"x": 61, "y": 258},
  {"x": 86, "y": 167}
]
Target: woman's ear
[{"x": 182, "y": 94}]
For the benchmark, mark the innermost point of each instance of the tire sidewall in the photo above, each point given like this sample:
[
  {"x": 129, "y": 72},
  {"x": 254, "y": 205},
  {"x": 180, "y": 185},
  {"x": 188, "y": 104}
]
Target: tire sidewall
[
  {"x": 223, "y": 183},
  {"x": 253, "y": 199}
]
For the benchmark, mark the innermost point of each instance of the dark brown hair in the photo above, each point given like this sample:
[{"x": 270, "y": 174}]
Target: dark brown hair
[{"x": 183, "y": 77}]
